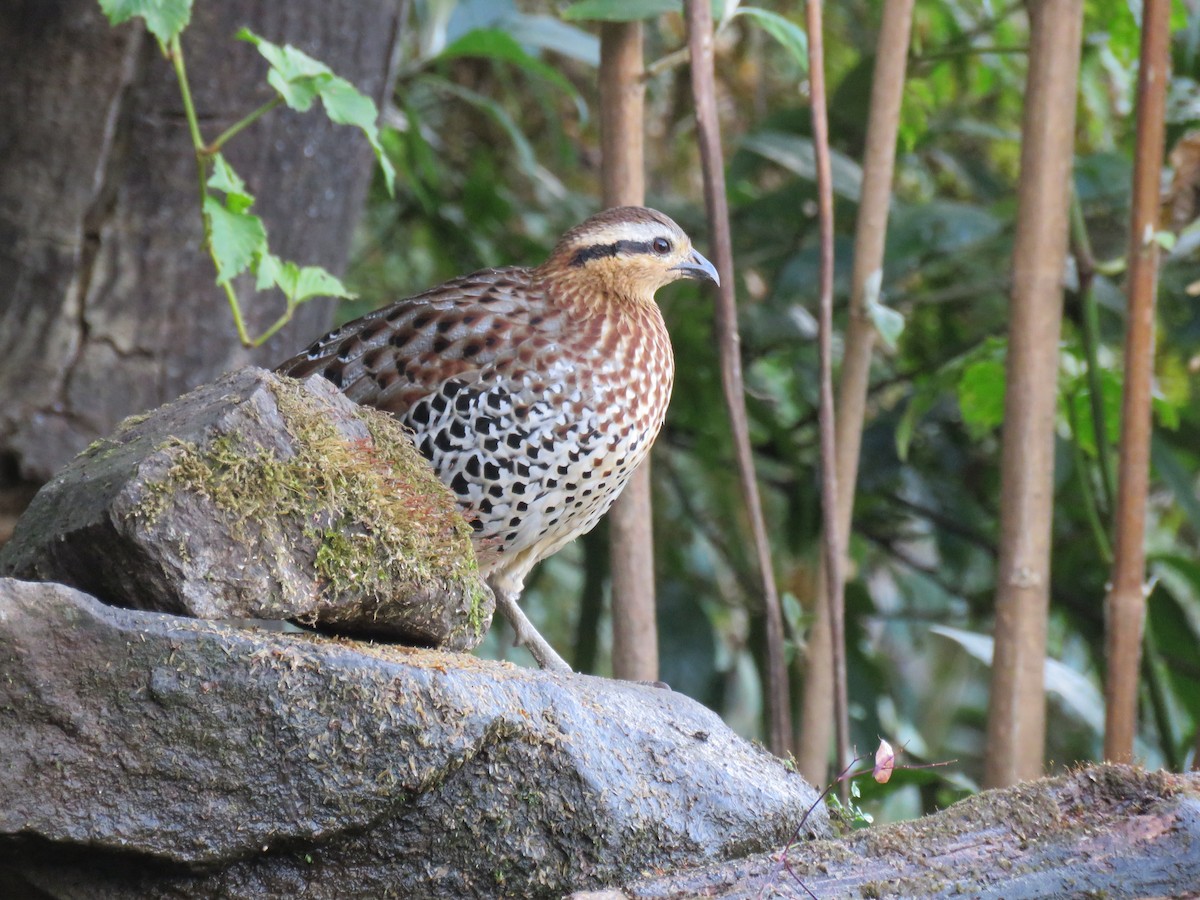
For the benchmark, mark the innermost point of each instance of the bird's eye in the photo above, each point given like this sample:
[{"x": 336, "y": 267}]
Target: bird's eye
[{"x": 661, "y": 246}]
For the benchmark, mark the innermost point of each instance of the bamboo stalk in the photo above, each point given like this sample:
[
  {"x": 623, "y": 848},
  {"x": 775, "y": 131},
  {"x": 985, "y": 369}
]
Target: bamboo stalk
[
  {"x": 1126, "y": 601},
  {"x": 887, "y": 89},
  {"x": 1016, "y": 729},
  {"x": 622, "y": 95}
]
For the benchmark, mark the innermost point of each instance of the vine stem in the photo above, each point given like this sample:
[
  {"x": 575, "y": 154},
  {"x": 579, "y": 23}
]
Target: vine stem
[
  {"x": 189, "y": 110},
  {"x": 230, "y": 132}
]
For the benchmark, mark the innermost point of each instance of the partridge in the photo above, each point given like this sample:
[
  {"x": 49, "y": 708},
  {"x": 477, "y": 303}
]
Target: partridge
[{"x": 534, "y": 392}]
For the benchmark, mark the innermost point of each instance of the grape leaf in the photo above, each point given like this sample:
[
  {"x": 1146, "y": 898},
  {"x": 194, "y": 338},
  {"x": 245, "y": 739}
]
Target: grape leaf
[
  {"x": 165, "y": 19},
  {"x": 299, "y": 79},
  {"x": 237, "y": 237}
]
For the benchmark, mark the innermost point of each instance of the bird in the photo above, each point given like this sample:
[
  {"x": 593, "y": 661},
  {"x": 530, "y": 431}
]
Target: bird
[{"x": 534, "y": 392}]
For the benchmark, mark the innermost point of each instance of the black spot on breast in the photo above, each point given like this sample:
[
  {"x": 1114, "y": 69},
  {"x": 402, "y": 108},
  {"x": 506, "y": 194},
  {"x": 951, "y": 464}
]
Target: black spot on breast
[
  {"x": 452, "y": 388},
  {"x": 443, "y": 442},
  {"x": 440, "y": 344},
  {"x": 440, "y": 403},
  {"x": 476, "y": 525},
  {"x": 518, "y": 487},
  {"x": 496, "y": 490},
  {"x": 514, "y": 521},
  {"x": 484, "y": 424},
  {"x": 471, "y": 348},
  {"x": 495, "y": 400},
  {"x": 473, "y": 466},
  {"x": 491, "y": 471},
  {"x": 463, "y": 403},
  {"x": 513, "y": 440},
  {"x": 419, "y": 415},
  {"x": 426, "y": 447},
  {"x": 422, "y": 319},
  {"x": 512, "y": 535},
  {"x": 522, "y": 506},
  {"x": 485, "y": 505},
  {"x": 458, "y": 429},
  {"x": 460, "y": 485},
  {"x": 491, "y": 445}
]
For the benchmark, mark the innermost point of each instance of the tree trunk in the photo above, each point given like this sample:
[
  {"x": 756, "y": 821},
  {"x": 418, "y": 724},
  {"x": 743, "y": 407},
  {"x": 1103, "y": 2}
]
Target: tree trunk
[
  {"x": 109, "y": 305},
  {"x": 1017, "y": 710},
  {"x": 631, "y": 534}
]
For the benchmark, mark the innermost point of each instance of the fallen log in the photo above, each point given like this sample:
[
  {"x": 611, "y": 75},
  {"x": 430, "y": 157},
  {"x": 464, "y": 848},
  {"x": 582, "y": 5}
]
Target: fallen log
[{"x": 1103, "y": 831}]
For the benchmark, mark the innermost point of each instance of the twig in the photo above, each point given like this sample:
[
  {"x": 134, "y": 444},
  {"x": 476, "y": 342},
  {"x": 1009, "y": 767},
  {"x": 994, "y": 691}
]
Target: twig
[{"x": 700, "y": 44}]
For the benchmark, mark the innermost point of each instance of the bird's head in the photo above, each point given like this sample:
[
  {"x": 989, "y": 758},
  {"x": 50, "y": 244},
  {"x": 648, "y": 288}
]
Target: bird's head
[{"x": 631, "y": 251}]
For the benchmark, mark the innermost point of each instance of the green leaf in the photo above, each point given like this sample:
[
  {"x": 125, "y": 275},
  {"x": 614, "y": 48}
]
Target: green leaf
[
  {"x": 888, "y": 322},
  {"x": 164, "y": 18},
  {"x": 304, "y": 283},
  {"x": 981, "y": 397},
  {"x": 796, "y": 154},
  {"x": 1074, "y": 690},
  {"x": 525, "y": 155},
  {"x": 1110, "y": 403},
  {"x": 236, "y": 238},
  {"x": 793, "y": 38},
  {"x": 299, "y": 79},
  {"x": 228, "y": 182},
  {"x": 297, "y": 283},
  {"x": 619, "y": 10},
  {"x": 499, "y": 46}
]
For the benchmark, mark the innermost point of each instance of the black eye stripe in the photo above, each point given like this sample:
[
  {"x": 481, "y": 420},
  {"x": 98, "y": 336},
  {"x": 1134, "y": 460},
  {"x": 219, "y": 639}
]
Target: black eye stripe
[{"x": 598, "y": 251}]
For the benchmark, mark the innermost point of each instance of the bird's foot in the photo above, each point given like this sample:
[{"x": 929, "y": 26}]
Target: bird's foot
[{"x": 527, "y": 636}]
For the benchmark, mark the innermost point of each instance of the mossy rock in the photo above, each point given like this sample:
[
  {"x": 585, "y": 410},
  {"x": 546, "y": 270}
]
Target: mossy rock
[{"x": 262, "y": 497}]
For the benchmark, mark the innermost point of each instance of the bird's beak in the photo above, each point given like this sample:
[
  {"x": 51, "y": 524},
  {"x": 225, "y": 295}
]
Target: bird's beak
[{"x": 696, "y": 266}]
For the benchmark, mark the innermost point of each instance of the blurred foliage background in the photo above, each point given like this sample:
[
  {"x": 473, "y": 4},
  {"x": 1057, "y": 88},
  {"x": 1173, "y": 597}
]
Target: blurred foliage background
[{"x": 493, "y": 129}]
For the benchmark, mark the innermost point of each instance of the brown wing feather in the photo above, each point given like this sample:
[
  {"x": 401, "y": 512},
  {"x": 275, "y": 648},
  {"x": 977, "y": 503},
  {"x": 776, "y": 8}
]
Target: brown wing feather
[{"x": 467, "y": 328}]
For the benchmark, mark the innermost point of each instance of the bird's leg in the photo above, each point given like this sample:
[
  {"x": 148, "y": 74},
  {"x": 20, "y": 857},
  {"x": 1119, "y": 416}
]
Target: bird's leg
[{"x": 526, "y": 635}]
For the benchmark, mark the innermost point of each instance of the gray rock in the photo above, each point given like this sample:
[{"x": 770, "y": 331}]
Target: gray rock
[
  {"x": 147, "y": 755},
  {"x": 261, "y": 497}
]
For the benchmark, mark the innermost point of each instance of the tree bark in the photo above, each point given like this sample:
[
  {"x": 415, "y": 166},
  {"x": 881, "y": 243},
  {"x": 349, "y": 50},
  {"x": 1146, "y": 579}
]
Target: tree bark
[
  {"x": 1126, "y": 602},
  {"x": 1017, "y": 710},
  {"x": 879, "y": 156},
  {"x": 109, "y": 305},
  {"x": 631, "y": 533}
]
